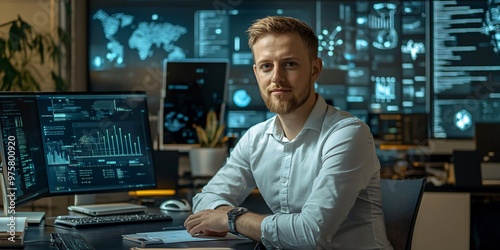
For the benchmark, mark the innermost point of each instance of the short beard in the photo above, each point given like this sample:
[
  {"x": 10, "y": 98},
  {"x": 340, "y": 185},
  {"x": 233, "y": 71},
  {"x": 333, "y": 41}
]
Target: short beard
[{"x": 285, "y": 107}]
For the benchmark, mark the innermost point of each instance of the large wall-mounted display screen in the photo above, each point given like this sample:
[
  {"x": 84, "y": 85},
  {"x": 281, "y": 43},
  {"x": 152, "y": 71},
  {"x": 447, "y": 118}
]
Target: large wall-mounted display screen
[
  {"x": 465, "y": 66},
  {"x": 380, "y": 57}
]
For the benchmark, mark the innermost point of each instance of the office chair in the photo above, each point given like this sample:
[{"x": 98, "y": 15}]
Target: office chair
[{"x": 400, "y": 202}]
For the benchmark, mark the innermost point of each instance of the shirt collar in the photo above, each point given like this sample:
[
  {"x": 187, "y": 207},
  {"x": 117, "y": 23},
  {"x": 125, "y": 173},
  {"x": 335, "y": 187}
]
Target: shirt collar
[{"x": 314, "y": 121}]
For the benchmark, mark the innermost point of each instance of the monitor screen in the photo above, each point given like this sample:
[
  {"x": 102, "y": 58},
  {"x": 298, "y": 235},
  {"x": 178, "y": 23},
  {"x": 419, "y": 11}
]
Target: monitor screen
[
  {"x": 465, "y": 65},
  {"x": 376, "y": 54},
  {"x": 22, "y": 152},
  {"x": 192, "y": 88},
  {"x": 96, "y": 142}
]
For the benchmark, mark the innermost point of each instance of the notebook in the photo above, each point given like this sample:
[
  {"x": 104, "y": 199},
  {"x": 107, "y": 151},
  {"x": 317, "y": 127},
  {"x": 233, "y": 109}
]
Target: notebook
[{"x": 108, "y": 209}]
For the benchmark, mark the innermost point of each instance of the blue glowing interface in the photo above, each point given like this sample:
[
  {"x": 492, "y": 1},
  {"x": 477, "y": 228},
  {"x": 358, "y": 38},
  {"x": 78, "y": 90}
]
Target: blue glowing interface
[
  {"x": 380, "y": 57},
  {"x": 71, "y": 143},
  {"x": 22, "y": 154}
]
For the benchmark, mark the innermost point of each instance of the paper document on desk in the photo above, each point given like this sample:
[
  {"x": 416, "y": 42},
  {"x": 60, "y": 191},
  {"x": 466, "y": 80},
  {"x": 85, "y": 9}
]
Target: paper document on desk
[{"x": 174, "y": 236}]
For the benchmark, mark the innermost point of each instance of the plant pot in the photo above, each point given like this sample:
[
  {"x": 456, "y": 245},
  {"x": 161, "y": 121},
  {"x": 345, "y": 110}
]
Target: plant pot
[{"x": 205, "y": 162}]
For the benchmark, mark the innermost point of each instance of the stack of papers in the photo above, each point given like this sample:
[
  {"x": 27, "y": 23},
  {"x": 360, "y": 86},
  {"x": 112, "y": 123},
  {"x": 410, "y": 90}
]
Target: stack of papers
[
  {"x": 174, "y": 236},
  {"x": 12, "y": 231}
]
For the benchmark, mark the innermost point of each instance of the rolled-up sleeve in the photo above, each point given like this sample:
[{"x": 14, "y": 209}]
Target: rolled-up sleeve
[{"x": 269, "y": 232}]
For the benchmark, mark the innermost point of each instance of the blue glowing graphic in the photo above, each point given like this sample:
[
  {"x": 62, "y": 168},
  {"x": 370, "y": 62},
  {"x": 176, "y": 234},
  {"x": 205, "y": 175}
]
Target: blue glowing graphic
[{"x": 241, "y": 98}]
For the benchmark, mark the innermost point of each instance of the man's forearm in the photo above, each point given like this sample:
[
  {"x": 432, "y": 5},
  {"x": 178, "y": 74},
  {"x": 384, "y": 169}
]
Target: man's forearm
[{"x": 247, "y": 224}]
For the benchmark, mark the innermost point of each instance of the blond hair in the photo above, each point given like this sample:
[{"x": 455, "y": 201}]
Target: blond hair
[{"x": 282, "y": 24}]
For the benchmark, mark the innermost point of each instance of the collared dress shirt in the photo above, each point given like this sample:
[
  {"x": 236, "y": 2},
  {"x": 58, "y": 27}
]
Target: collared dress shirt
[{"x": 323, "y": 187}]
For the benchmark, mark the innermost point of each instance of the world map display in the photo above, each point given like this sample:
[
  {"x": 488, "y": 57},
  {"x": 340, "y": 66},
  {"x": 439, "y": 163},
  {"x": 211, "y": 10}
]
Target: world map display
[{"x": 145, "y": 36}]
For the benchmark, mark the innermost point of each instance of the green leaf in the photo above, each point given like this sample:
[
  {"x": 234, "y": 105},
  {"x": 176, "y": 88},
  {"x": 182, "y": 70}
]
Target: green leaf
[
  {"x": 14, "y": 38},
  {"x": 38, "y": 42},
  {"x": 11, "y": 76},
  {"x": 3, "y": 48},
  {"x": 59, "y": 82}
]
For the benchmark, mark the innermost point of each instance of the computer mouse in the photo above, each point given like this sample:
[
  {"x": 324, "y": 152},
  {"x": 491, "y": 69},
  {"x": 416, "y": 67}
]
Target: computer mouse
[{"x": 177, "y": 205}]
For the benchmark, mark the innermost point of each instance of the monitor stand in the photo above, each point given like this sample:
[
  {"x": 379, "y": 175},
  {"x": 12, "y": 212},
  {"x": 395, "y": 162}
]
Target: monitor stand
[
  {"x": 84, "y": 199},
  {"x": 32, "y": 217},
  {"x": 85, "y": 204}
]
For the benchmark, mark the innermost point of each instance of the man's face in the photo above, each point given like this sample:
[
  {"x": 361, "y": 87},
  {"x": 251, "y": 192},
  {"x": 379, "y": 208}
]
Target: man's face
[{"x": 284, "y": 71}]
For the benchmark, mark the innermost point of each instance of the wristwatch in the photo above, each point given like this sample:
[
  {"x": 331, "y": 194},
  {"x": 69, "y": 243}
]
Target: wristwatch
[{"x": 232, "y": 215}]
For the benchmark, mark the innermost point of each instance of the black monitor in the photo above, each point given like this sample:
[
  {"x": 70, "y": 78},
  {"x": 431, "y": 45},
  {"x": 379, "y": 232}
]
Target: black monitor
[
  {"x": 75, "y": 143},
  {"x": 96, "y": 142},
  {"x": 487, "y": 140},
  {"x": 22, "y": 153},
  {"x": 192, "y": 87}
]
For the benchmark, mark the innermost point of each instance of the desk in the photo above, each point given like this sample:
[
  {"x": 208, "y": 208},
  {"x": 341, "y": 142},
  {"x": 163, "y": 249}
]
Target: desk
[{"x": 110, "y": 237}]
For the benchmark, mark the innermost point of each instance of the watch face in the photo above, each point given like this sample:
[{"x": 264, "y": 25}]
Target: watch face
[{"x": 237, "y": 211}]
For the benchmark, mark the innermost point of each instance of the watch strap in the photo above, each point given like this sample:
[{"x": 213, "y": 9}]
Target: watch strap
[{"x": 232, "y": 215}]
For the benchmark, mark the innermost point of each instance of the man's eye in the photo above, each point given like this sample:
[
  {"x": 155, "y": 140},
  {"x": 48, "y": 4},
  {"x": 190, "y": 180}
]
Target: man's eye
[
  {"x": 265, "y": 66},
  {"x": 290, "y": 64}
]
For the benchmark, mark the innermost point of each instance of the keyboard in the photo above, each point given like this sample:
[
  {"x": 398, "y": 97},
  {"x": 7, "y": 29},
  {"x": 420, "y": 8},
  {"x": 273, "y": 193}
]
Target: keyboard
[
  {"x": 80, "y": 222},
  {"x": 63, "y": 241}
]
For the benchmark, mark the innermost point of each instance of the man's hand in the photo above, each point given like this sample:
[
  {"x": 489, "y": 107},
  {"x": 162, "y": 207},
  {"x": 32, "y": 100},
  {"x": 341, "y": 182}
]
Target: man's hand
[{"x": 209, "y": 222}]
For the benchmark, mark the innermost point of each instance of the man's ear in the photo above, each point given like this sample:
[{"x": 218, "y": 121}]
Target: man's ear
[{"x": 316, "y": 68}]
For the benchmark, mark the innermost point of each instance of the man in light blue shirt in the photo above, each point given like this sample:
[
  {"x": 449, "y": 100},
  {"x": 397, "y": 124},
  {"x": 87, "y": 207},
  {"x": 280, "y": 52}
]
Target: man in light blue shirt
[{"x": 314, "y": 165}]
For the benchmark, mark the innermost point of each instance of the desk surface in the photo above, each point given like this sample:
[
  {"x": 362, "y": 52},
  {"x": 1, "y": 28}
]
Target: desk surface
[{"x": 110, "y": 237}]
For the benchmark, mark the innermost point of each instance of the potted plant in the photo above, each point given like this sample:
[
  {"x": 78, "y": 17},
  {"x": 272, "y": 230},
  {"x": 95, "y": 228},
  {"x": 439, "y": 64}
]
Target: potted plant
[
  {"x": 209, "y": 157},
  {"x": 24, "y": 54}
]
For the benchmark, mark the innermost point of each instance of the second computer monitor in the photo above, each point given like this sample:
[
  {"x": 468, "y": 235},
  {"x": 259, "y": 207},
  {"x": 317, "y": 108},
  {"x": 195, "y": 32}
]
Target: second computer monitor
[
  {"x": 21, "y": 152},
  {"x": 96, "y": 142},
  {"x": 191, "y": 88}
]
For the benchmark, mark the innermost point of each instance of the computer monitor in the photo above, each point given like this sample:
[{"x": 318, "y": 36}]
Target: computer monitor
[
  {"x": 22, "y": 154},
  {"x": 192, "y": 87},
  {"x": 487, "y": 138},
  {"x": 465, "y": 69},
  {"x": 96, "y": 142},
  {"x": 75, "y": 143}
]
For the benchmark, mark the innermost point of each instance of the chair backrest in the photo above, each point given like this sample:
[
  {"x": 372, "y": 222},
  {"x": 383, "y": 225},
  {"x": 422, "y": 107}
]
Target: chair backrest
[{"x": 400, "y": 202}]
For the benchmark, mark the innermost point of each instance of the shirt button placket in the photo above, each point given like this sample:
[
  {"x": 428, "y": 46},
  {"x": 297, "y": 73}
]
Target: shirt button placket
[{"x": 285, "y": 176}]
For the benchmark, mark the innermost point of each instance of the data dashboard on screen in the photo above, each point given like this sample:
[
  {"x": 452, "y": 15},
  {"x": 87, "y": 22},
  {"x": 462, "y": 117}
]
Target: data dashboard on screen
[
  {"x": 96, "y": 142},
  {"x": 75, "y": 143},
  {"x": 375, "y": 53},
  {"x": 465, "y": 66}
]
